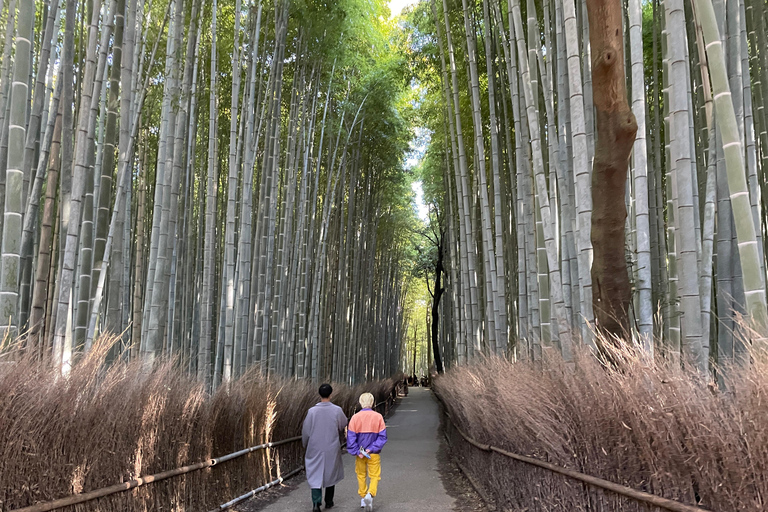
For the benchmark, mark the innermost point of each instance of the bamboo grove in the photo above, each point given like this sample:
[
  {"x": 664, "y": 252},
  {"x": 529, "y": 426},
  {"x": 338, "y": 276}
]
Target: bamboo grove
[
  {"x": 217, "y": 182},
  {"x": 520, "y": 178}
]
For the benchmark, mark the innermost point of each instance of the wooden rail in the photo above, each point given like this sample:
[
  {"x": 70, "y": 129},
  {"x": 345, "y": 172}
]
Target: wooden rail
[
  {"x": 250, "y": 494},
  {"x": 138, "y": 482},
  {"x": 622, "y": 490}
]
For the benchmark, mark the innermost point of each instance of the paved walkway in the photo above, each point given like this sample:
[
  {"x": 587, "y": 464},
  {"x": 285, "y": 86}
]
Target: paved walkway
[{"x": 410, "y": 481}]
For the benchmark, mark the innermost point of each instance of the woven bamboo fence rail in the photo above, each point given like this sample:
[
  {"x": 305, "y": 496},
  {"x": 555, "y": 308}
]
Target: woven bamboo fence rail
[
  {"x": 622, "y": 490},
  {"x": 144, "y": 480}
]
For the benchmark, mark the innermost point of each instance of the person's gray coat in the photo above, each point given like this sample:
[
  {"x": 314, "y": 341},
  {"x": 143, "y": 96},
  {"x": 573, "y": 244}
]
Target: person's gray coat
[{"x": 320, "y": 436}]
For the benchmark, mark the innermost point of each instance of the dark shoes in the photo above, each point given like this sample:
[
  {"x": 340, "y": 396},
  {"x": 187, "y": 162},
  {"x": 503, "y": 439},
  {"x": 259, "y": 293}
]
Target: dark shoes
[
  {"x": 316, "y": 507},
  {"x": 328, "y": 505}
]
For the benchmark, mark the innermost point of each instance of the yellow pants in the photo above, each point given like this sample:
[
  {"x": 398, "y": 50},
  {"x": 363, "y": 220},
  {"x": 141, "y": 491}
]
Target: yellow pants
[{"x": 372, "y": 467}]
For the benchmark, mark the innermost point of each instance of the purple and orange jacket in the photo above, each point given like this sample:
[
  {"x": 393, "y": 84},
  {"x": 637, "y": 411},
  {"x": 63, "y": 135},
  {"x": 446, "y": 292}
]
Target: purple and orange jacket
[{"x": 367, "y": 430}]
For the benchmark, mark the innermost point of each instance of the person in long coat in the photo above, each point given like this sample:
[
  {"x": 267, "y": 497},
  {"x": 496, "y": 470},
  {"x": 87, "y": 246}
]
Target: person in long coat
[{"x": 320, "y": 436}]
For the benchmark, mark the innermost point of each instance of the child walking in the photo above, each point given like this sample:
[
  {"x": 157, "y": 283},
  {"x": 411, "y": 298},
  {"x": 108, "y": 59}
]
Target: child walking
[{"x": 366, "y": 435}]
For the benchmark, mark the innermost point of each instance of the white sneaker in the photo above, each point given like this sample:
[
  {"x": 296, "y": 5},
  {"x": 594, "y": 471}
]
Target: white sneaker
[
  {"x": 362, "y": 503},
  {"x": 368, "y": 500}
]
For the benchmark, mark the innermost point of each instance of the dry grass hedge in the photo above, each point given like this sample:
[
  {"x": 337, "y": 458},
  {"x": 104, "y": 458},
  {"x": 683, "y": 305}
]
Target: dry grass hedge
[
  {"x": 654, "y": 429},
  {"x": 98, "y": 427}
]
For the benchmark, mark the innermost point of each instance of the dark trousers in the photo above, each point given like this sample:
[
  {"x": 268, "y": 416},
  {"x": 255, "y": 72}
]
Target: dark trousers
[{"x": 317, "y": 495}]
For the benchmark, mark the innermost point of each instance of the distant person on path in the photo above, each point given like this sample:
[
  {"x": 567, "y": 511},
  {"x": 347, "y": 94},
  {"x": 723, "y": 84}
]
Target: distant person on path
[
  {"x": 320, "y": 436},
  {"x": 366, "y": 436}
]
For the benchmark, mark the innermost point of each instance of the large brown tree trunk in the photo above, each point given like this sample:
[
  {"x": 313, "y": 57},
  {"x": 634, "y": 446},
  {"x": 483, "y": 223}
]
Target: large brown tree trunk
[{"x": 616, "y": 128}]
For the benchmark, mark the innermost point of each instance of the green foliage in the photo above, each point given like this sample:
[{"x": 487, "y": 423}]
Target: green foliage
[{"x": 416, "y": 313}]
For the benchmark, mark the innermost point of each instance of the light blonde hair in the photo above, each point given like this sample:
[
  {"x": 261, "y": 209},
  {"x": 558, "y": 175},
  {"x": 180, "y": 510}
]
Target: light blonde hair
[{"x": 366, "y": 400}]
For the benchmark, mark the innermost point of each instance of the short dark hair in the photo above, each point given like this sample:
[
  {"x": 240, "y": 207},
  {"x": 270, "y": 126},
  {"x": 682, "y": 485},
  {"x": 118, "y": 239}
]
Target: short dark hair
[{"x": 325, "y": 390}]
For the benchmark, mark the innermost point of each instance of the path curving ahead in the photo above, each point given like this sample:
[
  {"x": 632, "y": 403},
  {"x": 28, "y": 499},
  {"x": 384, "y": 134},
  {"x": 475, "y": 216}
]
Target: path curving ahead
[{"x": 410, "y": 480}]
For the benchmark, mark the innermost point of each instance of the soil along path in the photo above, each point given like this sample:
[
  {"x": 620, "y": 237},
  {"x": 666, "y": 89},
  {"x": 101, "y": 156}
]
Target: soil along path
[{"x": 410, "y": 480}]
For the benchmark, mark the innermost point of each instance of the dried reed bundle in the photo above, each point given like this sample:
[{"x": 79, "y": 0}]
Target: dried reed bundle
[
  {"x": 98, "y": 426},
  {"x": 654, "y": 428}
]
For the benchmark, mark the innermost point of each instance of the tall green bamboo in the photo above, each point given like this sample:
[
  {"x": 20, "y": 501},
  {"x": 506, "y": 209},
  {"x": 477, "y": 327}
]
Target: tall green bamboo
[
  {"x": 749, "y": 255},
  {"x": 14, "y": 173}
]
